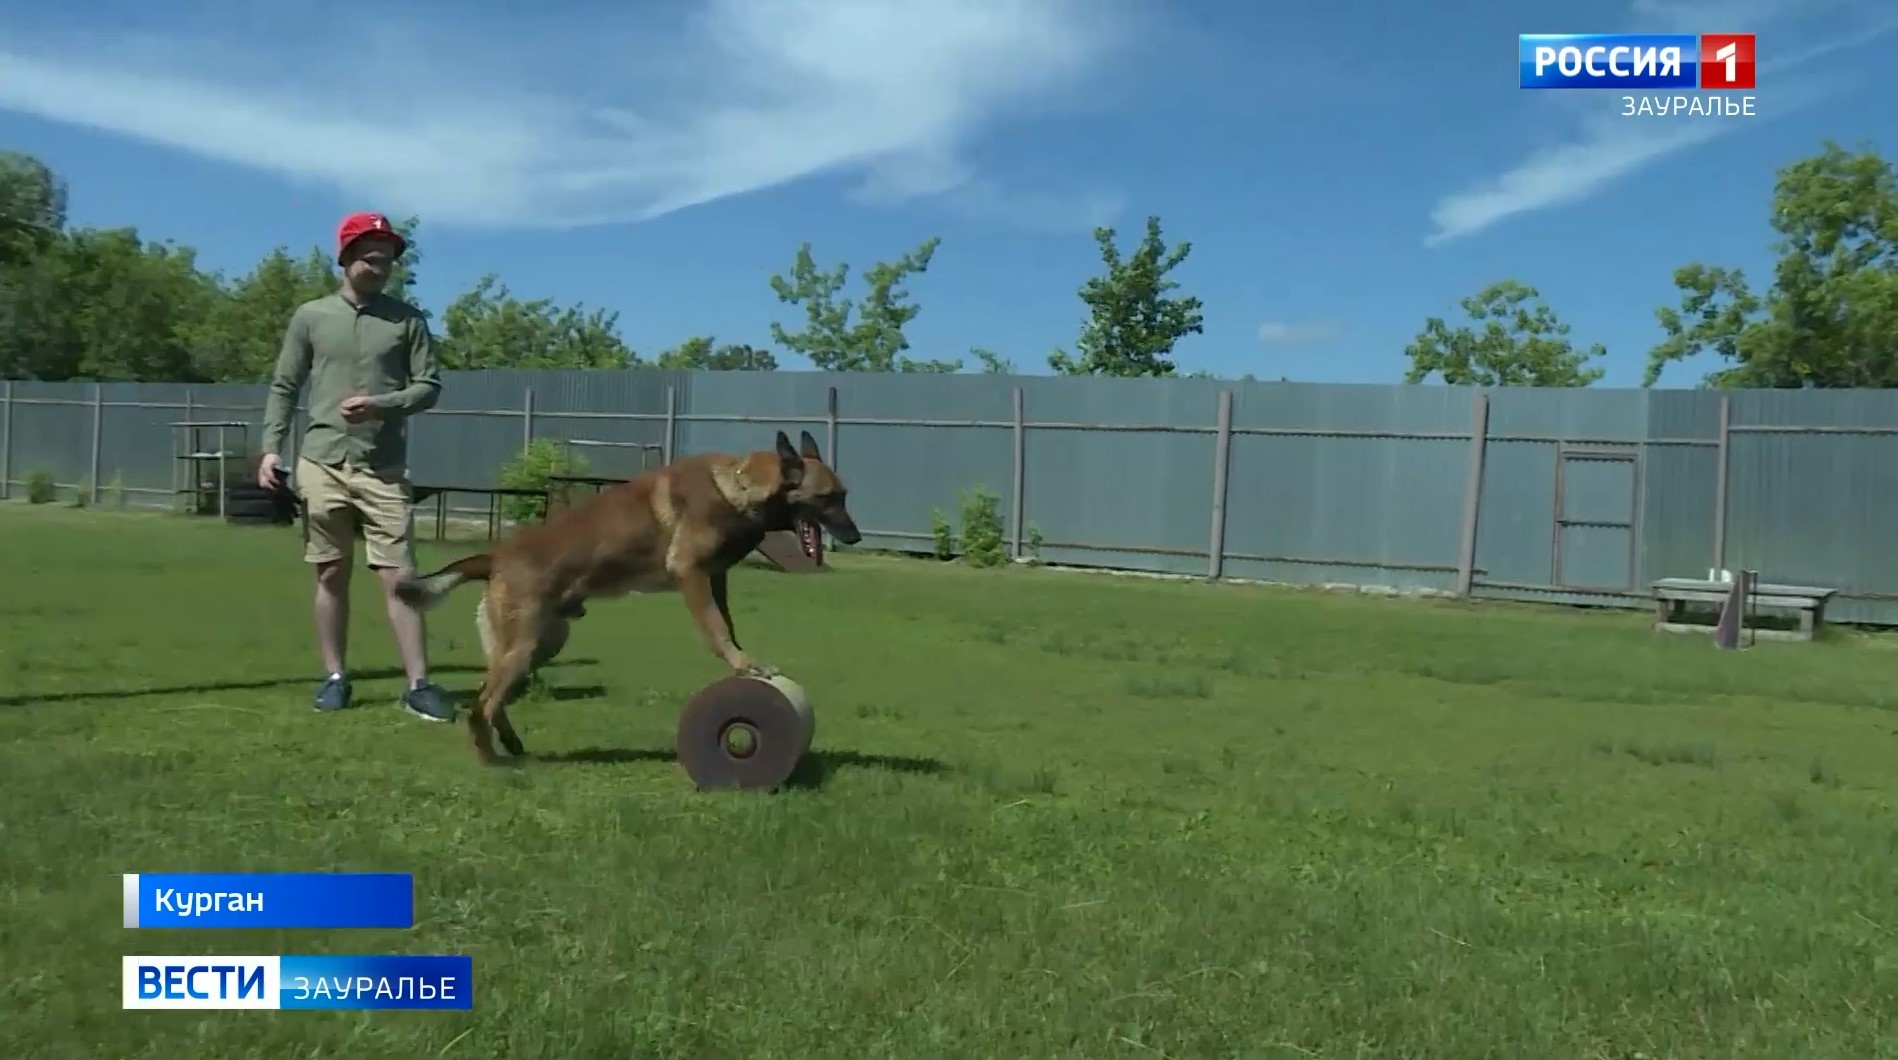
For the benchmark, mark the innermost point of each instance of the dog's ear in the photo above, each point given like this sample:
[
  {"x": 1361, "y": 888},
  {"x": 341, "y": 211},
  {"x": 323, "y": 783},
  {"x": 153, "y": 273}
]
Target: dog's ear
[
  {"x": 790, "y": 465},
  {"x": 807, "y": 446}
]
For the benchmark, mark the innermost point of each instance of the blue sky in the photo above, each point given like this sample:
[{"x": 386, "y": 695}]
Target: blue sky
[{"x": 1342, "y": 170}]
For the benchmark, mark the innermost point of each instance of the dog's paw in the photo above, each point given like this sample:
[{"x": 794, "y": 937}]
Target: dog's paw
[{"x": 762, "y": 671}]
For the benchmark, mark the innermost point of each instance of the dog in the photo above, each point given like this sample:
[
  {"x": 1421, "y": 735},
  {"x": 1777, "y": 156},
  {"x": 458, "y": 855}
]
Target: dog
[{"x": 681, "y": 527}]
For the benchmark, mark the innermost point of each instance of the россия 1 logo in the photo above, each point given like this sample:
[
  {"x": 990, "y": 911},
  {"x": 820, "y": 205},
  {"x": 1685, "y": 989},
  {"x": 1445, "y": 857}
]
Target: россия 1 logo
[{"x": 1718, "y": 62}]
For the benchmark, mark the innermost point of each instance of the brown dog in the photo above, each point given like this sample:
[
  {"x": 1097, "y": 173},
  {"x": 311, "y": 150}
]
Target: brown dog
[{"x": 680, "y": 527}]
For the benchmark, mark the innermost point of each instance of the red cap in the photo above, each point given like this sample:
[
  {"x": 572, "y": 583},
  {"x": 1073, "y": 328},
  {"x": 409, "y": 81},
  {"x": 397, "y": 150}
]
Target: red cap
[{"x": 357, "y": 225}]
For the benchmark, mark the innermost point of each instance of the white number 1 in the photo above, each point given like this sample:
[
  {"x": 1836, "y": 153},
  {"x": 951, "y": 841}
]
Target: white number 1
[{"x": 1731, "y": 56}]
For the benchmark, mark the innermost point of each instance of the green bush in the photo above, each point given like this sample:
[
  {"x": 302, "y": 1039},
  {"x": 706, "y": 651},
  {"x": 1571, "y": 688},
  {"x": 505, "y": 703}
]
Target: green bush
[
  {"x": 944, "y": 535},
  {"x": 40, "y": 488},
  {"x": 532, "y": 469},
  {"x": 983, "y": 542},
  {"x": 1033, "y": 545}
]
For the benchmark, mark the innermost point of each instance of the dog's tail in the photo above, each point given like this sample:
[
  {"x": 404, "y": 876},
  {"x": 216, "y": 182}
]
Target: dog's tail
[{"x": 423, "y": 591}]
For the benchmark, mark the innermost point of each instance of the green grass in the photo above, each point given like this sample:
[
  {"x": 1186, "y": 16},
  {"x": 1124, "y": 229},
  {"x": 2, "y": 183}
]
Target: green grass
[{"x": 1054, "y": 816}]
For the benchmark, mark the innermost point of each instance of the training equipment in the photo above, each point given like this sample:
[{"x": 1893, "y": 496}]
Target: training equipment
[
  {"x": 1733, "y": 613},
  {"x": 780, "y": 548},
  {"x": 247, "y": 503},
  {"x": 745, "y": 732}
]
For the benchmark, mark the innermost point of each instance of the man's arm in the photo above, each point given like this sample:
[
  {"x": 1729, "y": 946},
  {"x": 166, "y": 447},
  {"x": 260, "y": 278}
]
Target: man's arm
[
  {"x": 425, "y": 381},
  {"x": 293, "y": 370}
]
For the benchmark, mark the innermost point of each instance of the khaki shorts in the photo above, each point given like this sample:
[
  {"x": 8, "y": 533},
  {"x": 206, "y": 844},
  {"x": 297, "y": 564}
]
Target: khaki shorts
[{"x": 338, "y": 500}]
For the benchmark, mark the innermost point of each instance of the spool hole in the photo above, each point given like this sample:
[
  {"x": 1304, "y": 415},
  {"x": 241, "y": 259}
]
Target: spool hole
[{"x": 739, "y": 739}]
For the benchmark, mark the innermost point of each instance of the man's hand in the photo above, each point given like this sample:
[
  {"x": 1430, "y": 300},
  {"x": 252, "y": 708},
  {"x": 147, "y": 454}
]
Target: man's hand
[
  {"x": 356, "y": 409},
  {"x": 267, "y": 469}
]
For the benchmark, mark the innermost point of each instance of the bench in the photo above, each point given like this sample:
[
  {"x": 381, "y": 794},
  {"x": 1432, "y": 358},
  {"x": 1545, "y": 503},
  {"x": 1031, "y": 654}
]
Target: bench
[
  {"x": 1671, "y": 595},
  {"x": 493, "y": 494}
]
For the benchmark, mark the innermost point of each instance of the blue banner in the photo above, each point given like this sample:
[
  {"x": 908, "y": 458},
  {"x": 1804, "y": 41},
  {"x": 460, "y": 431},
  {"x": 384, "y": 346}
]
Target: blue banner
[
  {"x": 370, "y": 982},
  {"x": 1620, "y": 61},
  {"x": 354, "y": 982},
  {"x": 269, "y": 900}
]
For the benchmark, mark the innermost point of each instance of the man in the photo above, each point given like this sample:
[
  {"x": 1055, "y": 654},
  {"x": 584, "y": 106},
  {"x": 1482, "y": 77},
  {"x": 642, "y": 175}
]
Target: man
[{"x": 369, "y": 361}]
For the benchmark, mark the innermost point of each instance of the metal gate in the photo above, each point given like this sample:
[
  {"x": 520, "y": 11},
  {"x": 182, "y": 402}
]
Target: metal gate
[{"x": 1597, "y": 517}]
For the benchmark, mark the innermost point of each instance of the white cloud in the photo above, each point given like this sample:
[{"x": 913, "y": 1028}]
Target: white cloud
[
  {"x": 1610, "y": 146},
  {"x": 1279, "y": 333},
  {"x": 746, "y": 95}
]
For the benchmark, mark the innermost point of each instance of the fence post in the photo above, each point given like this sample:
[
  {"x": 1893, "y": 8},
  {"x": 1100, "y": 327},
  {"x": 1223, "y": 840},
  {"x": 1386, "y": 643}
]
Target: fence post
[
  {"x": 98, "y": 430},
  {"x": 830, "y": 426},
  {"x": 6, "y": 448},
  {"x": 1720, "y": 487},
  {"x": 1473, "y": 493},
  {"x": 1018, "y": 474},
  {"x": 180, "y": 469},
  {"x": 672, "y": 415},
  {"x": 527, "y": 417},
  {"x": 1222, "y": 452}
]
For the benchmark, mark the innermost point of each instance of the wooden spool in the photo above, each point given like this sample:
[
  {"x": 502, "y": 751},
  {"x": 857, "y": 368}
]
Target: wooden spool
[{"x": 745, "y": 732}]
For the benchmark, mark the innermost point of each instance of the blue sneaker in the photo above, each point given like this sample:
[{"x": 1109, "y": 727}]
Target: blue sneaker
[
  {"x": 427, "y": 702},
  {"x": 333, "y": 695}
]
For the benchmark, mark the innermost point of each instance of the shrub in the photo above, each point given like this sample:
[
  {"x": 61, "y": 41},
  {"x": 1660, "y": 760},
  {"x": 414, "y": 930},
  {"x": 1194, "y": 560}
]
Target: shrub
[
  {"x": 944, "y": 534},
  {"x": 40, "y": 488},
  {"x": 1033, "y": 545},
  {"x": 533, "y": 469},
  {"x": 982, "y": 537}
]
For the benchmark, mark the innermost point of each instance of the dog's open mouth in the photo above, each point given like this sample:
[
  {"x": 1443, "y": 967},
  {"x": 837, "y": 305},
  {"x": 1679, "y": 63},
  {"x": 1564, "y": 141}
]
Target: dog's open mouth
[{"x": 810, "y": 537}]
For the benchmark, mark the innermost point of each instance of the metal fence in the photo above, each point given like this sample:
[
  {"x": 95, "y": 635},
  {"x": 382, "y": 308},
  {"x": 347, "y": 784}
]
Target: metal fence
[{"x": 1579, "y": 496}]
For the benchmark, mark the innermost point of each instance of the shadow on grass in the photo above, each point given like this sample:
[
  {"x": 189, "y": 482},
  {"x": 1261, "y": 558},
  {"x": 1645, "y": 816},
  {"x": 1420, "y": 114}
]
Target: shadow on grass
[
  {"x": 811, "y": 773},
  {"x": 464, "y": 698},
  {"x": 262, "y": 683}
]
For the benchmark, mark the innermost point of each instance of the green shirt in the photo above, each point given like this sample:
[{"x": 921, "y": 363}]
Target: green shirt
[{"x": 382, "y": 349}]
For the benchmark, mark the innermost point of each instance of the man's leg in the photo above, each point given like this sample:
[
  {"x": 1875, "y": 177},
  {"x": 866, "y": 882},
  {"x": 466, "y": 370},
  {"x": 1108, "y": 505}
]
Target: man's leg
[
  {"x": 332, "y": 614},
  {"x": 329, "y": 539},
  {"x": 388, "y": 523},
  {"x": 408, "y": 625}
]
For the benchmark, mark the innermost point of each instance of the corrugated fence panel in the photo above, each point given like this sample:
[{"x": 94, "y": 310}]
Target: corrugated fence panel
[
  {"x": 52, "y": 433},
  {"x": 615, "y": 421},
  {"x": 1817, "y": 507},
  {"x": 1367, "y": 491},
  {"x": 477, "y": 426},
  {"x": 1529, "y": 428},
  {"x": 137, "y": 444},
  {"x": 1678, "y": 484},
  {"x": 1324, "y": 487},
  {"x": 769, "y": 402},
  {"x": 900, "y": 475},
  {"x": 1123, "y": 499}
]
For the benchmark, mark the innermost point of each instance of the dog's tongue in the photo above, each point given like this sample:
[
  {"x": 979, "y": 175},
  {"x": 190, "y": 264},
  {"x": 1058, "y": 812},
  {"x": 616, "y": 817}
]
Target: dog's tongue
[{"x": 811, "y": 538}]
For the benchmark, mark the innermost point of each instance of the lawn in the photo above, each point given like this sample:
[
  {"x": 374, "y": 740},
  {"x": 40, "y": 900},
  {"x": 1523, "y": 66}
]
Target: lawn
[{"x": 1053, "y": 816}]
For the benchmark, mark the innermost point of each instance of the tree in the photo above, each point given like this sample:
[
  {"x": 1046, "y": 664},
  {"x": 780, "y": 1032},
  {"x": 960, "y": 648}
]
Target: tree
[
  {"x": 402, "y": 278},
  {"x": 1133, "y": 320},
  {"x": 992, "y": 363},
  {"x": 874, "y": 342},
  {"x": 32, "y": 207},
  {"x": 487, "y": 327},
  {"x": 1830, "y": 318},
  {"x": 243, "y": 330},
  {"x": 1520, "y": 343},
  {"x": 698, "y": 353},
  {"x": 104, "y": 304}
]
